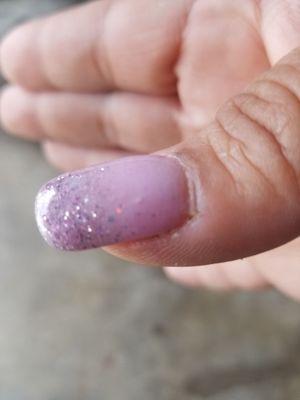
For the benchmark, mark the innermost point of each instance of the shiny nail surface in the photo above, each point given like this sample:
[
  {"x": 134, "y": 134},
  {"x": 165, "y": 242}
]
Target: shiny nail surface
[{"x": 126, "y": 200}]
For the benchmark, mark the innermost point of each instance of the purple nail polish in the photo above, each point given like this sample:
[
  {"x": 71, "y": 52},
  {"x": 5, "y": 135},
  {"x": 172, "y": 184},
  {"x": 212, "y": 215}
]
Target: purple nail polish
[{"x": 129, "y": 199}]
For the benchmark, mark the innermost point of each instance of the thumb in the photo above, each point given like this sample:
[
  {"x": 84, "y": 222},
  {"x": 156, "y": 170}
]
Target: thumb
[{"x": 230, "y": 192}]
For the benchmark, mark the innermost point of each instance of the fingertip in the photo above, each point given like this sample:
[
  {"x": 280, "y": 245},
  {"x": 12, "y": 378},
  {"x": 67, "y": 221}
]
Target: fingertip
[
  {"x": 244, "y": 275},
  {"x": 19, "y": 56},
  {"x": 185, "y": 276},
  {"x": 17, "y": 112},
  {"x": 221, "y": 277},
  {"x": 13, "y": 48},
  {"x": 9, "y": 104},
  {"x": 207, "y": 276}
]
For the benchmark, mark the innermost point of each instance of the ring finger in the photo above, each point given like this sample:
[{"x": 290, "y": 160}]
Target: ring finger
[{"x": 129, "y": 121}]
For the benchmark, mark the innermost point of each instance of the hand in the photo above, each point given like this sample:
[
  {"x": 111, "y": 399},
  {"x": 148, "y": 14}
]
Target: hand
[{"x": 170, "y": 64}]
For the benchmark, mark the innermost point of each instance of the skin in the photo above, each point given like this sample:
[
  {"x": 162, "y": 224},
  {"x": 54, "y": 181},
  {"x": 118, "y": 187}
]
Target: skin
[{"x": 171, "y": 64}]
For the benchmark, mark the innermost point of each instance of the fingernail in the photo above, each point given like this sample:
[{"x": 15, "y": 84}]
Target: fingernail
[{"x": 126, "y": 200}]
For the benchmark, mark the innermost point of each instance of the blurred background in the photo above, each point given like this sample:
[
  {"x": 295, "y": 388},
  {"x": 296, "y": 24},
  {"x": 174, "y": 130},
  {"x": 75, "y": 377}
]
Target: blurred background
[{"x": 89, "y": 327}]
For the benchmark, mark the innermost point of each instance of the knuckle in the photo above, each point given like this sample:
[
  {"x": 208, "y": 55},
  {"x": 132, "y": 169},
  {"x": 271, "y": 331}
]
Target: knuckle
[
  {"x": 273, "y": 117},
  {"x": 100, "y": 53},
  {"x": 270, "y": 108},
  {"x": 284, "y": 84},
  {"x": 108, "y": 123},
  {"x": 259, "y": 144}
]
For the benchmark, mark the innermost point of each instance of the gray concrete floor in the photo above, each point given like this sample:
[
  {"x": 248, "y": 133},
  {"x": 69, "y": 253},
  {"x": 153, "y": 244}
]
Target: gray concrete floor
[{"x": 89, "y": 327}]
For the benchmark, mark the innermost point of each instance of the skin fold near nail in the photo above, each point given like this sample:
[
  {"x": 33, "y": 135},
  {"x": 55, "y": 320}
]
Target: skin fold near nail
[{"x": 127, "y": 200}]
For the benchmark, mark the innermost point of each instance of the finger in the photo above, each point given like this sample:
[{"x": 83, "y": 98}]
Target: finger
[
  {"x": 280, "y": 267},
  {"x": 211, "y": 277},
  {"x": 216, "y": 62},
  {"x": 244, "y": 275},
  {"x": 280, "y": 27},
  {"x": 240, "y": 274},
  {"x": 224, "y": 62},
  {"x": 133, "y": 122},
  {"x": 231, "y": 192},
  {"x": 101, "y": 45},
  {"x": 67, "y": 158}
]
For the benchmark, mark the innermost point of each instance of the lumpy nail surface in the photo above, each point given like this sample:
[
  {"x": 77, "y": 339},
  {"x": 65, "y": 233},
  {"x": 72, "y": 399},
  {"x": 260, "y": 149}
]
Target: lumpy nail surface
[{"x": 129, "y": 199}]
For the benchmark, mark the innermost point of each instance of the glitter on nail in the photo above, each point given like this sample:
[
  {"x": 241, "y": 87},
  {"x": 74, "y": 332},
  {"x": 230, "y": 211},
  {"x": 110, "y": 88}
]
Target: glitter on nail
[
  {"x": 43, "y": 200},
  {"x": 104, "y": 205},
  {"x": 138, "y": 200},
  {"x": 111, "y": 219}
]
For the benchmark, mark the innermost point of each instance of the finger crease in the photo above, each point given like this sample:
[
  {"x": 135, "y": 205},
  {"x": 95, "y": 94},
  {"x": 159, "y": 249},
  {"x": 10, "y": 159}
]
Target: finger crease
[
  {"x": 275, "y": 136},
  {"x": 99, "y": 52},
  {"x": 248, "y": 159}
]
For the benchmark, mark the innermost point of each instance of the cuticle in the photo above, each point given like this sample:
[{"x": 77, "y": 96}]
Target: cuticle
[{"x": 193, "y": 183}]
